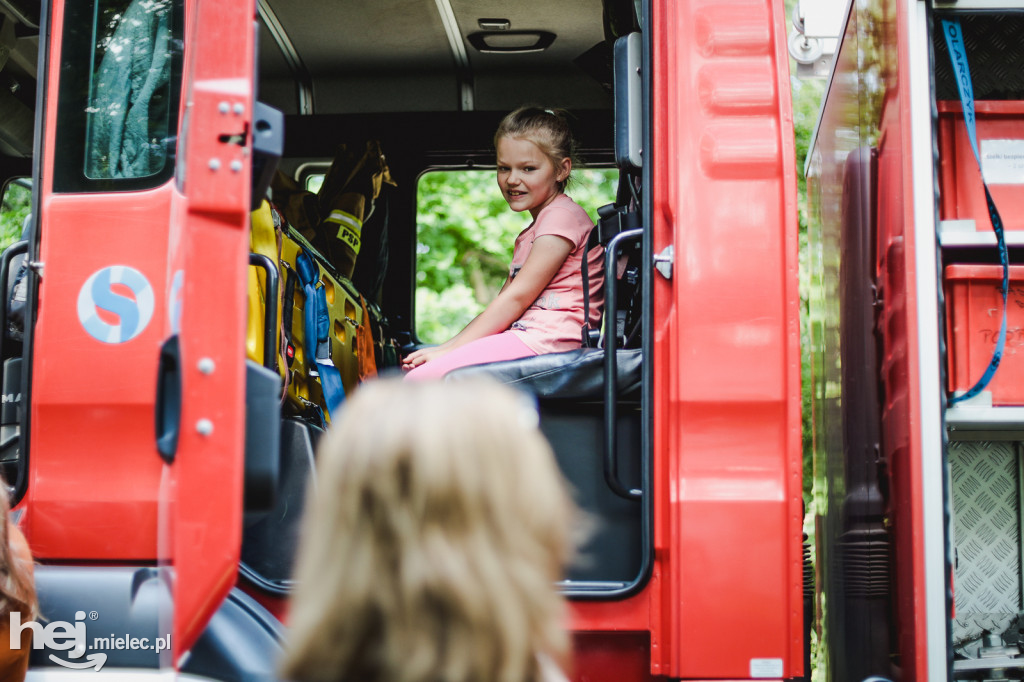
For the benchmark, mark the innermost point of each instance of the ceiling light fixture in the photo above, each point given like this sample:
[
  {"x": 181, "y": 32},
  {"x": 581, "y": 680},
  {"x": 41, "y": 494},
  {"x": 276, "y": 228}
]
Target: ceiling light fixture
[{"x": 494, "y": 24}]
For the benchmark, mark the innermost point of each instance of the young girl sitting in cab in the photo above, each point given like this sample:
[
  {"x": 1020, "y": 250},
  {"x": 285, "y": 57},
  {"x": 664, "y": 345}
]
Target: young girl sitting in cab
[{"x": 540, "y": 307}]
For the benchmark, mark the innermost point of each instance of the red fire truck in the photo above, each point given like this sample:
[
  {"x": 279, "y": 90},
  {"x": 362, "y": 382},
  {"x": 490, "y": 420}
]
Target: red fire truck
[
  {"x": 163, "y": 391},
  {"x": 915, "y": 314}
]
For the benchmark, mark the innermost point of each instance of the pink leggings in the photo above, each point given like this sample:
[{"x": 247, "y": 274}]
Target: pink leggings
[{"x": 503, "y": 346}]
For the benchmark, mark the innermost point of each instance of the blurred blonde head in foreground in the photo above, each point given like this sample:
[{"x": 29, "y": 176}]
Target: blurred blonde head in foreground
[{"x": 431, "y": 549}]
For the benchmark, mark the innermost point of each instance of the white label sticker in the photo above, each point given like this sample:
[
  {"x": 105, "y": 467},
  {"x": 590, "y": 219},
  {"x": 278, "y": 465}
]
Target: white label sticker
[
  {"x": 1002, "y": 161},
  {"x": 766, "y": 667}
]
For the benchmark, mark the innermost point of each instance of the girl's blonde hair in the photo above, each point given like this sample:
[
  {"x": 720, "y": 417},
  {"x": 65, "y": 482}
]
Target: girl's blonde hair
[
  {"x": 439, "y": 527},
  {"x": 547, "y": 128}
]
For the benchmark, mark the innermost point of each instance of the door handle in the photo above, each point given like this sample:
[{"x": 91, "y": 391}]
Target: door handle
[{"x": 168, "y": 399}]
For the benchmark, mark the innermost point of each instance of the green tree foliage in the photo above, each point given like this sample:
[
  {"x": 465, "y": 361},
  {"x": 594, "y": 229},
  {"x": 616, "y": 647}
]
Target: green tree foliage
[
  {"x": 806, "y": 103},
  {"x": 465, "y": 234},
  {"x": 17, "y": 200}
]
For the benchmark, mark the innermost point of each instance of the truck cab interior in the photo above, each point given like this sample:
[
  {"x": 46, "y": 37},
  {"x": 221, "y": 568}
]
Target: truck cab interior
[
  {"x": 429, "y": 82},
  {"x": 390, "y": 106}
]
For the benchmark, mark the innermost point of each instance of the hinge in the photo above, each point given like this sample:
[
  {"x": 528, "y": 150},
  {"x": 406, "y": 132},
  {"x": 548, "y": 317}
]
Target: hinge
[{"x": 663, "y": 261}]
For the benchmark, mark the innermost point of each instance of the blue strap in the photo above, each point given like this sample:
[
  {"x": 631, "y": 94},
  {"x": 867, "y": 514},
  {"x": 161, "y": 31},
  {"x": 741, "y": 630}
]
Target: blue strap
[
  {"x": 330, "y": 377},
  {"x": 330, "y": 382},
  {"x": 307, "y": 270},
  {"x": 316, "y": 333},
  {"x": 958, "y": 56}
]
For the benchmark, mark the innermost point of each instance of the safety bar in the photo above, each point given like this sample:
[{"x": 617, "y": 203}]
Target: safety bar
[
  {"x": 270, "y": 326},
  {"x": 611, "y": 370}
]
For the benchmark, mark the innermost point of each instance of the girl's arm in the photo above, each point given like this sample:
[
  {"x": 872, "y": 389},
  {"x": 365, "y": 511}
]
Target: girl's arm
[{"x": 546, "y": 258}]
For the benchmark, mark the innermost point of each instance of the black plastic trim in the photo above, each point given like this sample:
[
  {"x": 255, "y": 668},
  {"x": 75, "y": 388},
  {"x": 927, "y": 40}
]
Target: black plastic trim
[
  {"x": 262, "y": 436},
  {"x": 647, "y": 343},
  {"x": 242, "y": 642},
  {"x": 647, "y": 294},
  {"x": 267, "y": 148},
  {"x": 276, "y": 588}
]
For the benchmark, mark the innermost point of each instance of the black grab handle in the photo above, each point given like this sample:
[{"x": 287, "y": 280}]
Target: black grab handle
[
  {"x": 168, "y": 399},
  {"x": 611, "y": 371},
  {"x": 270, "y": 330}
]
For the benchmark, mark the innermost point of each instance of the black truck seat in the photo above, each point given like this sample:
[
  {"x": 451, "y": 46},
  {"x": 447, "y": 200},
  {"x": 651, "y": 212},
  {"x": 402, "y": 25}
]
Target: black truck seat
[
  {"x": 576, "y": 375},
  {"x": 569, "y": 388}
]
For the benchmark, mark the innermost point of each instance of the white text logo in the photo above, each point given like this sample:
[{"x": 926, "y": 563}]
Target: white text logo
[{"x": 71, "y": 637}]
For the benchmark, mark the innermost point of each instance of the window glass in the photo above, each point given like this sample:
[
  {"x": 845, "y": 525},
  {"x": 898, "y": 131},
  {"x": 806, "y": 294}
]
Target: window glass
[
  {"x": 17, "y": 202},
  {"x": 465, "y": 232},
  {"x": 120, "y": 76},
  {"x": 314, "y": 182}
]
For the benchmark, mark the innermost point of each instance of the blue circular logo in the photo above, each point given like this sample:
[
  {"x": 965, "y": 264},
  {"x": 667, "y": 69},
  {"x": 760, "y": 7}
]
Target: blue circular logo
[{"x": 133, "y": 312}]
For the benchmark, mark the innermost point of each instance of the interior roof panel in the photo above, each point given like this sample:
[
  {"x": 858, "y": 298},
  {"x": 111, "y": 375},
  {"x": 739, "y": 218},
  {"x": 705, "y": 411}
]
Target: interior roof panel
[
  {"x": 578, "y": 25},
  {"x": 349, "y": 35},
  {"x": 394, "y": 55}
]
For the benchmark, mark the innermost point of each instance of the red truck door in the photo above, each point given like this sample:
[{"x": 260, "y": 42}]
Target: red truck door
[{"x": 201, "y": 389}]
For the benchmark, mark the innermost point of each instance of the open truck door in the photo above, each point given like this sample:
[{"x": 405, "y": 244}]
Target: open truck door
[
  {"x": 128, "y": 466},
  {"x": 129, "y": 470},
  {"x": 204, "y": 383}
]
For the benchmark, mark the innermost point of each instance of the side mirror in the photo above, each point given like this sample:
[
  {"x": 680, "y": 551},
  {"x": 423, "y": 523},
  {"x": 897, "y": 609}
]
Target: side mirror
[{"x": 628, "y": 86}]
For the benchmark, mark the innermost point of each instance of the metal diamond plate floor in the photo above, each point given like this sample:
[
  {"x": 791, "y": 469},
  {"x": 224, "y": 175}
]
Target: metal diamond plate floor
[{"x": 986, "y": 509}]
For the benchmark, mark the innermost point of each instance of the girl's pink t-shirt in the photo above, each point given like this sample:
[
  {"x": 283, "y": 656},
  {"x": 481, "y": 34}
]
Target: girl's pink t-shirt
[{"x": 554, "y": 322}]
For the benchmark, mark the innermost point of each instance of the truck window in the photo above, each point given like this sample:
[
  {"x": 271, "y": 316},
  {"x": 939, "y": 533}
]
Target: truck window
[
  {"x": 464, "y": 237},
  {"x": 17, "y": 198},
  {"x": 117, "y": 104}
]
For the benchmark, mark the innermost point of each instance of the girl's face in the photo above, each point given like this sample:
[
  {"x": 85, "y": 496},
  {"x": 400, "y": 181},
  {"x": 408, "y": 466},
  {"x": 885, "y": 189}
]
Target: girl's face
[{"x": 527, "y": 177}]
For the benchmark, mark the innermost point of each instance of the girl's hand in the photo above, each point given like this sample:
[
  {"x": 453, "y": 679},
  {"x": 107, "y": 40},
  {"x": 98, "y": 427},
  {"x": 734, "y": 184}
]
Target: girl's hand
[{"x": 423, "y": 355}]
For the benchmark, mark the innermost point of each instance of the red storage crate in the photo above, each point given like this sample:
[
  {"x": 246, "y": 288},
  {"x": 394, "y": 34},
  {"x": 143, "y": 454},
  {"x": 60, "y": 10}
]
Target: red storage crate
[
  {"x": 962, "y": 196},
  {"x": 973, "y": 313}
]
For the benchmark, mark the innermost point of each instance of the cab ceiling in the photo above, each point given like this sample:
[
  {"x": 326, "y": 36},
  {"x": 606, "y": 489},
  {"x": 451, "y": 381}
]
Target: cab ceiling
[{"x": 356, "y": 56}]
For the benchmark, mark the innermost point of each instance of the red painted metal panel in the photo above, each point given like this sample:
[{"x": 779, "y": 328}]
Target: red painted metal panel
[
  {"x": 631, "y": 614},
  {"x": 93, "y": 463},
  {"x": 622, "y": 657},
  {"x": 727, "y": 432}
]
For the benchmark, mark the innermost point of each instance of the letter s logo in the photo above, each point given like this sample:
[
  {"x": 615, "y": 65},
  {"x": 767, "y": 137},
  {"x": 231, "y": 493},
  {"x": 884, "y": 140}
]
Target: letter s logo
[{"x": 98, "y": 294}]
